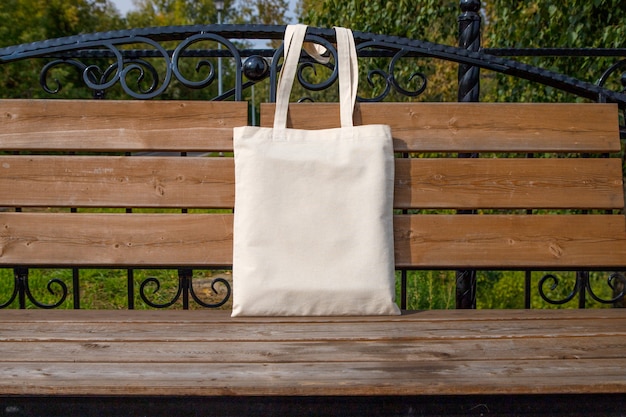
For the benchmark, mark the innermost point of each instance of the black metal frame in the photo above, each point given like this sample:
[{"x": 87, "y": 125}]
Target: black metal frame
[
  {"x": 171, "y": 44},
  {"x": 599, "y": 405}
]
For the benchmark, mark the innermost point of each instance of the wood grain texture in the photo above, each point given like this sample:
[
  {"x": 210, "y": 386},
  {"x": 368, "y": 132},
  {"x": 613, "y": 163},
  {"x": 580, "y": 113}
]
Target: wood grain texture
[
  {"x": 422, "y": 241},
  {"x": 208, "y": 353},
  {"x": 510, "y": 241},
  {"x": 117, "y": 181},
  {"x": 116, "y": 239},
  {"x": 200, "y": 182},
  {"x": 508, "y": 183},
  {"x": 122, "y": 126},
  {"x": 90, "y": 125},
  {"x": 474, "y": 127}
]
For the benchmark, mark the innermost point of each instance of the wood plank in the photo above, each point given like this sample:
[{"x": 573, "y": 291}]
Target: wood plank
[
  {"x": 474, "y": 127},
  {"x": 427, "y": 241},
  {"x": 312, "y": 331},
  {"x": 174, "y": 318},
  {"x": 111, "y": 125},
  {"x": 109, "y": 181},
  {"x": 510, "y": 241},
  {"x": 430, "y": 183},
  {"x": 508, "y": 183},
  {"x": 177, "y": 351},
  {"x": 217, "y": 378},
  {"x": 116, "y": 239}
]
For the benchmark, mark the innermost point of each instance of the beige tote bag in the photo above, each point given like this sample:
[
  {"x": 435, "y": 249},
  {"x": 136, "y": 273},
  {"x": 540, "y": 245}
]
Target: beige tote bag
[{"x": 313, "y": 231}]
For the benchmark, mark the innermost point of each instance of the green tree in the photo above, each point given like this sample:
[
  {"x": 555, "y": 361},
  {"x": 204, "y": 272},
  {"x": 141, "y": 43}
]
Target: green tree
[
  {"x": 23, "y": 21},
  {"x": 33, "y": 20},
  {"x": 173, "y": 12},
  {"x": 542, "y": 24}
]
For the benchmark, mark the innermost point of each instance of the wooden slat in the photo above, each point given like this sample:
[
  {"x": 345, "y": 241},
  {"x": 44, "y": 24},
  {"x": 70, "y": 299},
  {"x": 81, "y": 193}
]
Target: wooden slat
[
  {"x": 207, "y": 126},
  {"x": 116, "y": 239},
  {"x": 508, "y": 183},
  {"x": 108, "y": 181},
  {"x": 510, "y": 241},
  {"x": 474, "y": 127},
  {"x": 223, "y": 329},
  {"x": 297, "y": 351},
  {"x": 426, "y": 241},
  {"x": 111, "y": 125},
  {"x": 194, "y": 353},
  {"x": 303, "y": 379},
  {"x": 167, "y": 182}
]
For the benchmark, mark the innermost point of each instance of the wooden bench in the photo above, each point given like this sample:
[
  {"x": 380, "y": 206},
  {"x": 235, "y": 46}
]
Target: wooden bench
[{"x": 61, "y": 155}]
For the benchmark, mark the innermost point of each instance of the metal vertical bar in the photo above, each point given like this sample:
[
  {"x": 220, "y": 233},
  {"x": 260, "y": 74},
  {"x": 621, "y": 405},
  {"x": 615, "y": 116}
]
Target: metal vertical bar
[
  {"x": 469, "y": 38},
  {"x": 76, "y": 288},
  {"x": 582, "y": 281},
  {"x": 527, "y": 289},
  {"x": 468, "y": 90},
  {"x": 21, "y": 281},
  {"x": 403, "y": 291},
  {"x": 130, "y": 280},
  {"x": 184, "y": 276}
]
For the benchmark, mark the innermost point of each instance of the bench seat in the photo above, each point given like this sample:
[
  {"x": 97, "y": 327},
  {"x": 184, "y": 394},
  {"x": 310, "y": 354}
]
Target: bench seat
[{"x": 199, "y": 353}]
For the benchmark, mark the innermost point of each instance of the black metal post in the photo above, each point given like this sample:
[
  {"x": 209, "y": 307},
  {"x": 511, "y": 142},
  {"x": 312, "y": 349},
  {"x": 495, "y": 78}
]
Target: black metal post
[
  {"x": 468, "y": 90},
  {"x": 469, "y": 38}
]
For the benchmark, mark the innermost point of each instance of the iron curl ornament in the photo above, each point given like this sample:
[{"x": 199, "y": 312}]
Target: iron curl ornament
[
  {"x": 22, "y": 291},
  {"x": 582, "y": 286},
  {"x": 184, "y": 290},
  {"x": 131, "y": 69}
]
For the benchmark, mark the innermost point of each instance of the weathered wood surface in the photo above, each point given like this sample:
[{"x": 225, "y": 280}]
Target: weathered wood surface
[
  {"x": 112, "y": 125},
  {"x": 428, "y": 241},
  {"x": 210, "y": 354},
  {"x": 474, "y": 127},
  {"x": 201, "y": 182}
]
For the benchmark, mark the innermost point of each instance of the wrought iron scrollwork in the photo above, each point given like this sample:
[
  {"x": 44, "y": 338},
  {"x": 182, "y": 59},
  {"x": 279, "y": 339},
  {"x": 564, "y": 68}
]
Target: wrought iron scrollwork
[
  {"x": 184, "y": 290},
  {"x": 555, "y": 281},
  {"x": 130, "y": 72},
  {"x": 13, "y": 295},
  {"x": 179, "y": 52},
  {"x": 22, "y": 291},
  {"x": 120, "y": 47},
  {"x": 582, "y": 286},
  {"x": 390, "y": 75}
]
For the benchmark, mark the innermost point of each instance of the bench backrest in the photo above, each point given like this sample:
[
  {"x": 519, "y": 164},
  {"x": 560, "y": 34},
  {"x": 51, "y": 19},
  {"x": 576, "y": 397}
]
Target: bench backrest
[{"x": 543, "y": 212}]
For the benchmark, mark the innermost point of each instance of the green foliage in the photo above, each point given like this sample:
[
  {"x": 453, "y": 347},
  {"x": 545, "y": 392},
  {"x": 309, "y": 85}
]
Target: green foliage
[
  {"x": 23, "y": 21},
  {"x": 174, "y": 12},
  {"x": 533, "y": 24},
  {"x": 428, "y": 290}
]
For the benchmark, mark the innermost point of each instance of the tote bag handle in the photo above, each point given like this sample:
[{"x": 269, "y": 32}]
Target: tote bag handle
[{"x": 348, "y": 74}]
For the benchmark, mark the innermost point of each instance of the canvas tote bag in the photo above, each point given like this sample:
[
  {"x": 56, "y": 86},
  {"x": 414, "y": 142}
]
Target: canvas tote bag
[{"x": 313, "y": 230}]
